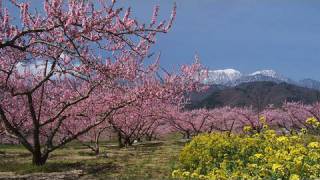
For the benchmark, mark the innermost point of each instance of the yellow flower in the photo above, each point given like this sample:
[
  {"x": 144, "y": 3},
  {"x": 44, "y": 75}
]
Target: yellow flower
[
  {"x": 294, "y": 138},
  {"x": 277, "y": 167},
  {"x": 304, "y": 131},
  {"x": 311, "y": 120},
  {"x": 186, "y": 174},
  {"x": 258, "y": 156},
  {"x": 262, "y": 119},
  {"x": 270, "y": 131},
  {"x": 263, "y": 155},
  {"x": 252, "y": 166},
  {"x": 175, "y": 173},
  {"x": 298, "y": 160},
  {"x": 314, "y": 145},
  {"x": 282, "y": 139},
  {"x": 223, "y": 165},
  {"x": 268, "y": 149},
  {"x": 247, "y": 128},
  {"x": 294, "y": 177},
  {"x": 194, "y": 175}
]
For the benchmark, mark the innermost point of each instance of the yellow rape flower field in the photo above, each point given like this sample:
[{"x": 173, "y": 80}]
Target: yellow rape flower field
[{"x": 264, "y": 155}]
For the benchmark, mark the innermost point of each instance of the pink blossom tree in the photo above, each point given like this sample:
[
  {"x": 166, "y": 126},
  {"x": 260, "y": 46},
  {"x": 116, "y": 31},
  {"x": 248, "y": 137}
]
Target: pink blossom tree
[
  {"x": 92, "y": 138},
  {"x": 56, "y": 66},
  {"x": 300, "y": 115},
  {"x": 188, "y": 123},
  {"x": 146, "y": 115},
  {"x": 297, "y": 114},
  {"x": 224, "y": 120}
]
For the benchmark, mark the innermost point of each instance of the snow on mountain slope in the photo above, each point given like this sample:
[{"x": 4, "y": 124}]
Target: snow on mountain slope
[
  {"x": 233, "y": 77},
  {"x": 270, "y": 73},
  {"x": 222, "y": 76}
]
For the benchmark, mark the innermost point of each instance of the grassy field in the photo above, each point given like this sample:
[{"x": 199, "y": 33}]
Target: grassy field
[{"x": 154, "y": 160}]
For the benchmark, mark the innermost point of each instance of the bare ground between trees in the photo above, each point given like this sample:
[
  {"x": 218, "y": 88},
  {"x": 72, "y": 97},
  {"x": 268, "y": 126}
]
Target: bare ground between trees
[
  {"x": 153, "y": 160},
  {"x": 75, "y": 174}
]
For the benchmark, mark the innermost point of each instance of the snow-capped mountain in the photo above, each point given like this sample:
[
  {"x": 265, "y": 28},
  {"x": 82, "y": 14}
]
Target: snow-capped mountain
[
  {"x": 269, "y": 73},
  {"x": 222, "y": 76},
  {"x": 232, "y": 77},
  {"x": 263, "y": 75},
  {"x": 255, "y": 78}
]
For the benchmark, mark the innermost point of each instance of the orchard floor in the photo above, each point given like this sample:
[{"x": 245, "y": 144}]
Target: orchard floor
[{"x": 153, "y": 160}]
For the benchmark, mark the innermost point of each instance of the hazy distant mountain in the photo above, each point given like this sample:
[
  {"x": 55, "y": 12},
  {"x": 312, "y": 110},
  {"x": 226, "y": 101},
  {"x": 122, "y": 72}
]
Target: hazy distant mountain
[
  {"x": 258, "y": 95},
  {"x": 310, "y": 83}
]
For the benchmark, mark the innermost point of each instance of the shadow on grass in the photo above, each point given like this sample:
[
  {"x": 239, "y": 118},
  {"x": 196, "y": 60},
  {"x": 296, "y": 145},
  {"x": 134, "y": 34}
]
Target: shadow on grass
[
  {"x": 147, "y": 160},
  {"x": 49, "y": 167},
  {"x": 100, "y": 168},
  {"x": 149, "y": 144},
  {"x": 27, "y": 167}
]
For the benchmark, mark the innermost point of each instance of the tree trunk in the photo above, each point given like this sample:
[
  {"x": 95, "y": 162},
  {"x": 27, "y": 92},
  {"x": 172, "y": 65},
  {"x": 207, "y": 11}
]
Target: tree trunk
[
  {"x": 127, "y": 142},
  {"x": 120, "y": 143},
  {"x": 149, "y": 138},
  {"x": 38, "y": 159},
  {"x": 97, "y": 148},
  {"x": 187, "y": 135},
  {"x": 97, "y": 151},
  {"x": 138, "y": 139}
]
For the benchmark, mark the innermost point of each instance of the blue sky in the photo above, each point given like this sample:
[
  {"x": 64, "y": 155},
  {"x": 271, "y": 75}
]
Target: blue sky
[{"x": 246, "y": 35}]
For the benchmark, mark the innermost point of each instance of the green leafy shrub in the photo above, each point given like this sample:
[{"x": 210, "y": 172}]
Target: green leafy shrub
[{"x": 256, "y": 156}]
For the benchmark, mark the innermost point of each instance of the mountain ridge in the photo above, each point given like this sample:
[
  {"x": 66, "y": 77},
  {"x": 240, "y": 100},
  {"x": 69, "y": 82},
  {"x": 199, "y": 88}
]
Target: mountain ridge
[
  {"x": 256, "y": 94},
  {"x": 231, "y": 77}
]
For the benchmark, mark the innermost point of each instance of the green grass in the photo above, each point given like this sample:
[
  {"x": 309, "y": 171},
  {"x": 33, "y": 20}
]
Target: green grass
[{"x": 143, "y": 161}]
